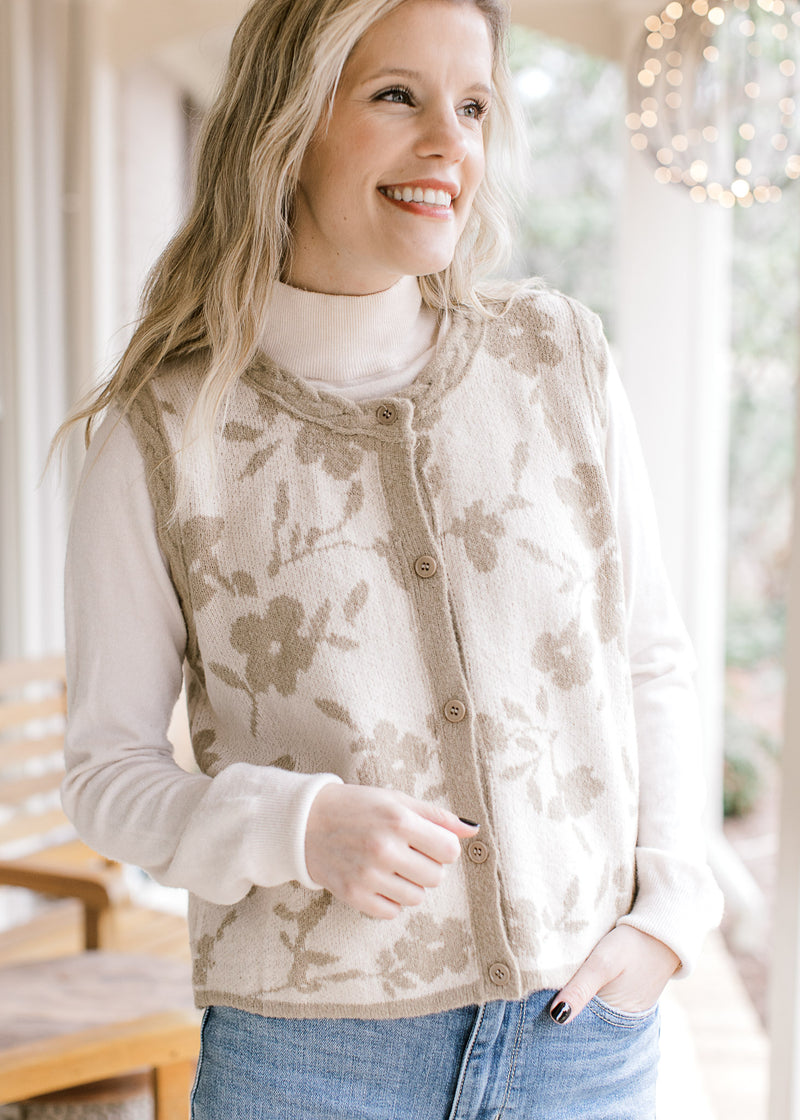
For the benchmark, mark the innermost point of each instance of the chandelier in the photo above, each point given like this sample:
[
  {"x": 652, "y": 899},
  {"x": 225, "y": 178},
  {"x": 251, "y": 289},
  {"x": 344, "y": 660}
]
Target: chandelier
[{"x": 715, "y": 97}]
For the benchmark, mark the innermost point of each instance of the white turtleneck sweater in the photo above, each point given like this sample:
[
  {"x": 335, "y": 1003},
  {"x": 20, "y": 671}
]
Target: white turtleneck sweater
[
  {"x": 126, "y": 635},
  {"x": 361, "y": 346}
]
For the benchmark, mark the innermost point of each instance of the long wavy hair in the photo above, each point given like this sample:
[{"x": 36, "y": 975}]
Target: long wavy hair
[{"x": 208, "y": 289}]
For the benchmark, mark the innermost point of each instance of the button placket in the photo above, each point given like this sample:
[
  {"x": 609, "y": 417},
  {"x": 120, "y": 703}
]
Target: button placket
[{"x": 414, "y": 515}]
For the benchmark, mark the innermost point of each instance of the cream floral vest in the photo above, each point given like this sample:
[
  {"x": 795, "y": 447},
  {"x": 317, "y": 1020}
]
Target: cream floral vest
[{"x": 421, "y": 593}]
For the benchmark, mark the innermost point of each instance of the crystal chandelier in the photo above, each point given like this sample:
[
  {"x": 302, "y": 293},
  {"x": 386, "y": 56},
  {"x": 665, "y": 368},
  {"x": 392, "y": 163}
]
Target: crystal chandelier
[{"x": 715, "y": 97}]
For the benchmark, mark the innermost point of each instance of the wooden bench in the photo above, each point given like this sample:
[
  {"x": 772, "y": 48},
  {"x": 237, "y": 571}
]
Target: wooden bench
[
  {"x": 70, "y": 1017},
  {"x": 39, "y": 849},
  {"x": 94, "y": 1016}
]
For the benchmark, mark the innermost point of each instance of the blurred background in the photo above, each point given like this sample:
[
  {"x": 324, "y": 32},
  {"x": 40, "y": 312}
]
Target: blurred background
[{"x": 100, "y": 106}]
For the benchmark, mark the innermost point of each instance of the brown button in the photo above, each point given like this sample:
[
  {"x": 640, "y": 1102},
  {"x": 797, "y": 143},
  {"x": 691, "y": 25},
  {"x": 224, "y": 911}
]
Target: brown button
[
  {"x": 387, "y": 414},
  {"x": 425, "y": 567},
  {"x": 499, "y": 974},
  {"x": 454, "y": 711},
  {"x": 478, "y": 852}
]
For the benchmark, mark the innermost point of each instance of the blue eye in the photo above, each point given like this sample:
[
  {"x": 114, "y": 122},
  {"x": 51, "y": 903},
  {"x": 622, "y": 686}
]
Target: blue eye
[
  {"x": 476, "y": 110},
  {"x": 397, "y": 95}
]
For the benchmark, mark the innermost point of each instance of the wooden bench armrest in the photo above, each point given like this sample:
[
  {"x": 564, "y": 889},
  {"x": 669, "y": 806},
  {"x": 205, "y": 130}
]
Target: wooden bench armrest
[
  {"x": 155, "y": 1042},
  {"x": 74, "y": 871},
  {"x": 95, "y": 887}
]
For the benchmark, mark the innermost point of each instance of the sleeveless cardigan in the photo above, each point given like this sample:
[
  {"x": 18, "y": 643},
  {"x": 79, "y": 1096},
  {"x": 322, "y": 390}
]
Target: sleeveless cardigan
[{"x": 423, "y": 593}]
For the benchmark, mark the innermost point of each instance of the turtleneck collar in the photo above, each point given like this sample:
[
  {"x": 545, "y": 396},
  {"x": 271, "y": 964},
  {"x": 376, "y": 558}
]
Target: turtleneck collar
[{"x": 343, "y": 339}]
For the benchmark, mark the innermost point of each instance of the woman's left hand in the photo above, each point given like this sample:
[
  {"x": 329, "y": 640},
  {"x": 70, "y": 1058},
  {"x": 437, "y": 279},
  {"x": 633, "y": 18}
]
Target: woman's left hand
[{"x": 627, "y": 969}]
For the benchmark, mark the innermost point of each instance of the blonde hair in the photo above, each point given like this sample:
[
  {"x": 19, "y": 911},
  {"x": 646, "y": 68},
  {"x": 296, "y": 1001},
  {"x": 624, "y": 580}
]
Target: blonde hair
[{"x": 209, "y": 287}]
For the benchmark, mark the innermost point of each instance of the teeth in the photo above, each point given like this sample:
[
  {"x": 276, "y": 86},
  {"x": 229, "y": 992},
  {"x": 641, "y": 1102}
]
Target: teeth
[{"x": 427, "y": 195}]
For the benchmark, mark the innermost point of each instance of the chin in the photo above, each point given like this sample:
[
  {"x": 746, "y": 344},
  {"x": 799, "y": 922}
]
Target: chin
[{"x": 428, "y": 264}]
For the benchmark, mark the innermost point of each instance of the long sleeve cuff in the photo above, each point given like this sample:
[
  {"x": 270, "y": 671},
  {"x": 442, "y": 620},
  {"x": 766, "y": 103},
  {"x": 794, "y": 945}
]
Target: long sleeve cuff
[{"x": 677, "y": 901}]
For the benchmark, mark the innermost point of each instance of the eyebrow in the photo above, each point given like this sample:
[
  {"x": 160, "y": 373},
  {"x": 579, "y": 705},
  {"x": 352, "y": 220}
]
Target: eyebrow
[{"x": 400, "y": 71}]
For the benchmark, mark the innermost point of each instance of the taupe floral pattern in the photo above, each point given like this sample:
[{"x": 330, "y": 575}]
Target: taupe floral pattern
[
  {"x": 586, "y": 496},
  {"x": 609, "y": 615},
  {"x": 203, "y": 955},
  {"x": 566, "y": 921},
  {"x": 481, "y": 529},
  {"x": 341, "y": 459},
  {"x": 527, "y": 343},
  {"x": 294, "y": 540},
  {"x": 201, "y": 535},
  {"x": 427, "y": 948},
  {"x": 278, "y": 645},
  {"x": 580, "y": 788},
  {"x": 480, "y": 532},
  {"x": 238, "y": 432},
  {"x": 209, "y": 761},
  {"x": 566, "y": 656},
  {"x": 276, "y": 649},
  {"x": 396, "y": 761},
  {"x": 526, "y": 740},
  {"x": 305, "y": 919}
]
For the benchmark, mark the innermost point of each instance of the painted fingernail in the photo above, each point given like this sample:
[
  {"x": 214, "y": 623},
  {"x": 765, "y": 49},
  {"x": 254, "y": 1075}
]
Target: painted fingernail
[
  {"x": 472, "y": 824},
  {"x": 561, "y": 1012}
]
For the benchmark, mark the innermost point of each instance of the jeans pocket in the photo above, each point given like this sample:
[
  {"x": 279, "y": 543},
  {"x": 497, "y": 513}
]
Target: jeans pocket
[{"x": 619, "y": 1018}]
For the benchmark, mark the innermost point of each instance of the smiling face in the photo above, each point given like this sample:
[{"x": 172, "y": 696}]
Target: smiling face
[{"x": 386, "y": 188}]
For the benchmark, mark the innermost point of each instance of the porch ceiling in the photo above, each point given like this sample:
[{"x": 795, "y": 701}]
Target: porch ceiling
[
  {"x": 596, "y": 25},
  {"x": 144, "y": 28}
]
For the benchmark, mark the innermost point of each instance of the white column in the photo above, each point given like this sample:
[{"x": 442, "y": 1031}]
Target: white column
[
  {"x": 674, "y": 341},
  {"x": 674, "y": 322},
  {"x": 785, "y": 973},
  {"x": 153, "y": 176},
  {"x": 32, "y": 37},
  {"x": 16, "y": 287},
  {"x": 48, "y": 287}
]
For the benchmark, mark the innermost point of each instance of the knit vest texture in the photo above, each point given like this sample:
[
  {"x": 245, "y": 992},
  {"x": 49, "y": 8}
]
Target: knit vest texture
[{"x": 421, "y": 593}]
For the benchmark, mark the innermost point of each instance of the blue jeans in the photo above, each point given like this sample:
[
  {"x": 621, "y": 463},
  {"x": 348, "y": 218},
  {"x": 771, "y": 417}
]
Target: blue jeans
[{"x": 499, "y": 1060}]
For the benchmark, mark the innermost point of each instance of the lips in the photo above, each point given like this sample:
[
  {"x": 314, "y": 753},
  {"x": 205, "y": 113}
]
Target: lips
[{"x": 433, "y": 196}]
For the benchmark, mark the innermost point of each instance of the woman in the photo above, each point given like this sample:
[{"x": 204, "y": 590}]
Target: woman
[{"x": 443, "y": 848}]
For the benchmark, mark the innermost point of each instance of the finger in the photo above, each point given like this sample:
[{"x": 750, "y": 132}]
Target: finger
[
  {"x": 431, "y": 831},
  {"x": 459, "y": 826},
  {"x": 432, "y": 841},
  {"x": 373, "y": 905},
  {"x": 385, "y": 909},
  {"x": 400, "y": 890},
  {"x": 593, "y": 975},
  {"x": 419, "y": 869}
]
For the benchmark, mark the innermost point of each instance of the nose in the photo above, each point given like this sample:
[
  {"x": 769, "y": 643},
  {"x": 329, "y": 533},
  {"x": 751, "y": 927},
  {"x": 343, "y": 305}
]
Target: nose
[{"x": 442, "y": 134}]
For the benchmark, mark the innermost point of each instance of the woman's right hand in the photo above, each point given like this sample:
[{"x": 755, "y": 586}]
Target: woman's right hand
[{"x": 379, "y": 850}]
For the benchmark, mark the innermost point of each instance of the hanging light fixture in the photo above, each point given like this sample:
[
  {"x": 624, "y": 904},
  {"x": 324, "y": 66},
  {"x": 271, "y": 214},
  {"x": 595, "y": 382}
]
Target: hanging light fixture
[{"x": 715, "y": 97}]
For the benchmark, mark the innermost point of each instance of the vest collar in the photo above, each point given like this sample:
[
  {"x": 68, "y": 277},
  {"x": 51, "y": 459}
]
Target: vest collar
[{"x": 416, "y": 404}]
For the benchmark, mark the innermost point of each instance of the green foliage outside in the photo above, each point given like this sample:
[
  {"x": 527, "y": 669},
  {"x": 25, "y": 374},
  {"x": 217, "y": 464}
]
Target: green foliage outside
[
  {"x": 766, "y": 296},
  {"x": 575, "y": 112},
  {"x": 575, "y": 108}
]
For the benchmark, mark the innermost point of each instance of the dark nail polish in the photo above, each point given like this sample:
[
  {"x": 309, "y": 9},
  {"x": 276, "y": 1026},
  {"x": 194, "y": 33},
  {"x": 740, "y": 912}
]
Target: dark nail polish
[
  {"x": 561, "y": 1012},
  {"x": 472, "y": 824}
]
